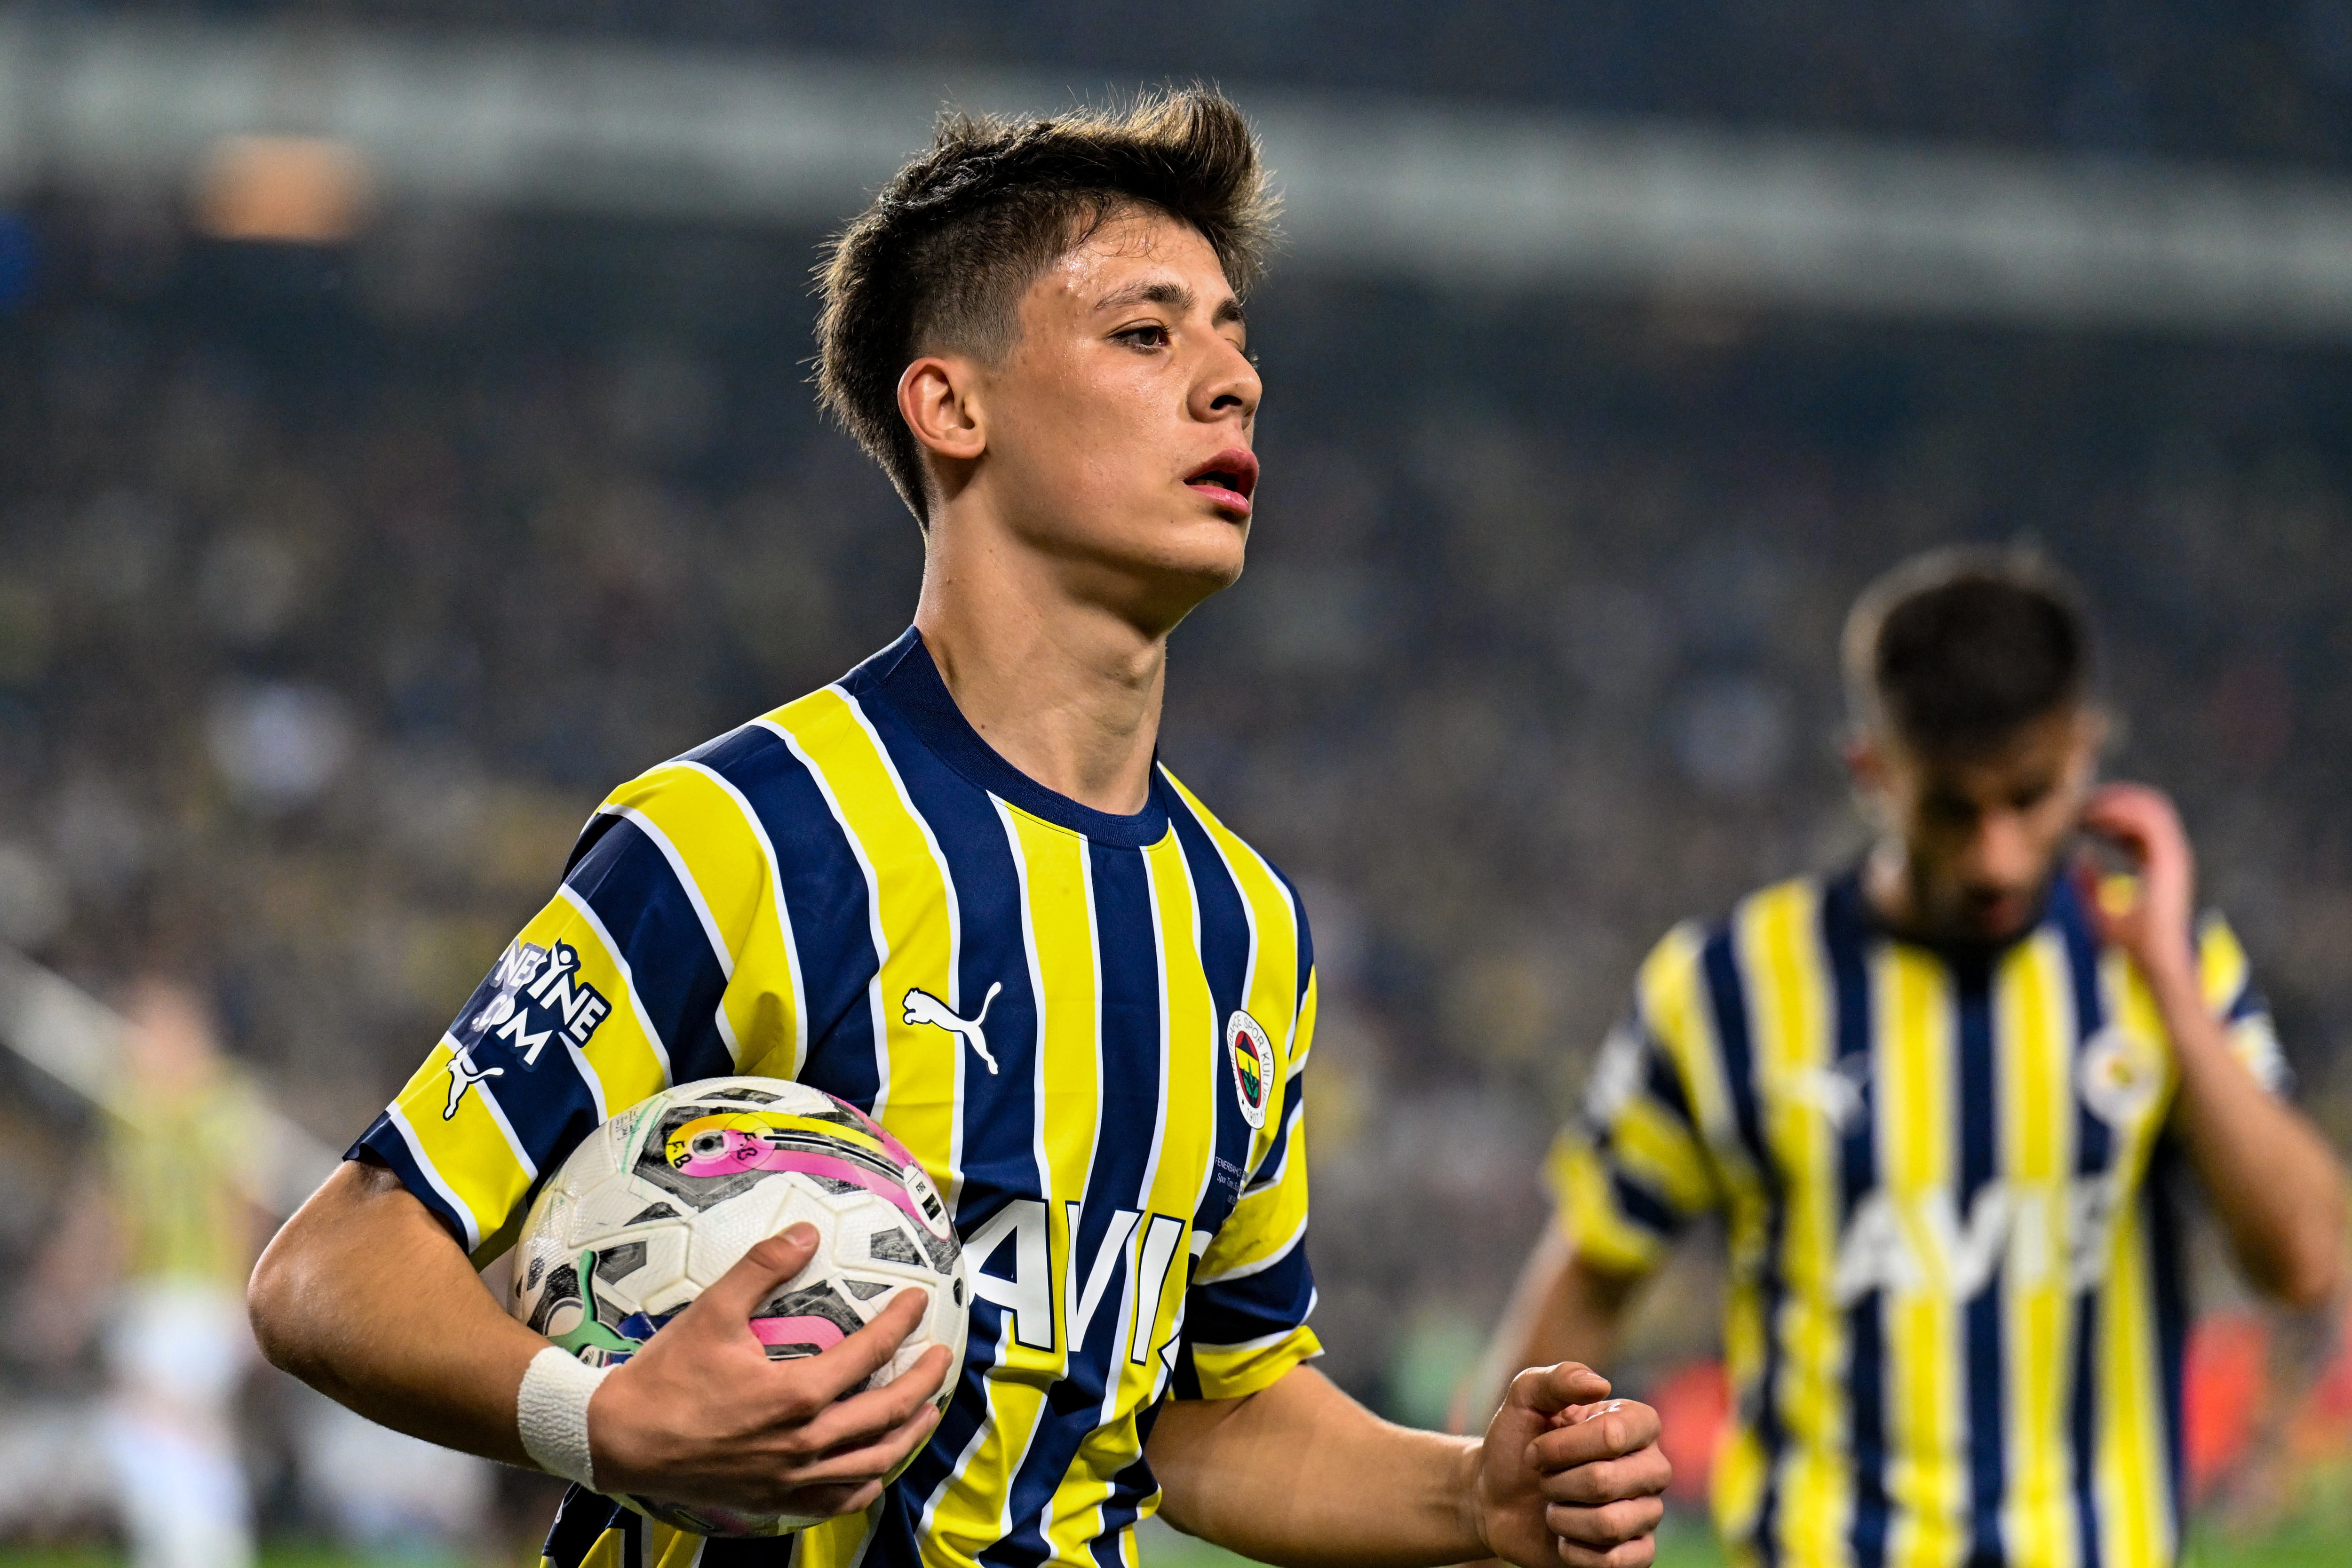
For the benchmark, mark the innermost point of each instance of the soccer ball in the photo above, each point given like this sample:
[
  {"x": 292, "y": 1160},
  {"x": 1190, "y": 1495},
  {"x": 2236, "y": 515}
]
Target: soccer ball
[{"x": 659, "y": 1202}]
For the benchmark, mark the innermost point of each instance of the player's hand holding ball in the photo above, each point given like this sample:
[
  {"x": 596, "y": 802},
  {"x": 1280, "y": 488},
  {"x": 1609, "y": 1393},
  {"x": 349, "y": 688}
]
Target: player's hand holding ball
[
  {"x": 1569, "y": 1475},
  {"x": 701, "y": 1414}
]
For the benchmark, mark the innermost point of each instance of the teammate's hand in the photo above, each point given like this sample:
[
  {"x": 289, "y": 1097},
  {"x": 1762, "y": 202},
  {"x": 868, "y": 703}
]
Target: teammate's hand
[
  {"x": 1568, "y": 1475},
  {"x": 2154, "y": 928},
  {"x": 701, "y": 1415}
]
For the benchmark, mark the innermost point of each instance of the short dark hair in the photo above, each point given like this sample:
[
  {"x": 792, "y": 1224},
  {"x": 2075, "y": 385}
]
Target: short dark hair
[
  {"x": 941, "y": 258},
  {"x": 1957, "y": 649}
]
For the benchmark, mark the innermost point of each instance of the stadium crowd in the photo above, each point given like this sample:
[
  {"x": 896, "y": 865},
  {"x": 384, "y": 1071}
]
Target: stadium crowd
[{"x": 337, "y": 586}]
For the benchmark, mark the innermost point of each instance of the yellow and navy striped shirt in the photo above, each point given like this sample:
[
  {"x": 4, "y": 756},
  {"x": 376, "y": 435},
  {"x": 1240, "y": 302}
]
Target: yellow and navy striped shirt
[
  {"x": 1116, "y": 1121},
  {"x": 1956, "y": 1317}
]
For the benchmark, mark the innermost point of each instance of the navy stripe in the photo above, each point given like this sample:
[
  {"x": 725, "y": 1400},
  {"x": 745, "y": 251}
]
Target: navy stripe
[
  {"x": 1728, "y": 1004},
  {"x": 828, "y": 901},
  {"x": 1130, "y": 1095},
  {"x": 637, "y": 894},
  {"x": 1649, "y": 1210},
  {"x": 1234, "y": 1312},
  {"x": 1846, "y": 938},
  {"x": 1979, "y": 1157},
  {"x": 1663, "y": 1080},
  {"x": 2161, "y": 1197},
  {"x": 2093, "y": 1150}
]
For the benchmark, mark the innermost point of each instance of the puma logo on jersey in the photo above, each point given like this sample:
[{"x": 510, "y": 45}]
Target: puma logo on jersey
[
  {"x": 922, "y": 1007},
  {"x": 463, "y": 1075}
]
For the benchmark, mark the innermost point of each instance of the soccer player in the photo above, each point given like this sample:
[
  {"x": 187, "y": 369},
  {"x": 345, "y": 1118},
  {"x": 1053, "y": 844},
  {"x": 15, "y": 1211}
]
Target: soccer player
[
  {"x": 1939, "y": 1099},
  {"x": 958, "y": 889}
]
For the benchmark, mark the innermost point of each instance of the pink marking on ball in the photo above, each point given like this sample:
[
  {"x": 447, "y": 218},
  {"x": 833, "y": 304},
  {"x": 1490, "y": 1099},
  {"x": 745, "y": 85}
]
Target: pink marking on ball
[{"x": 821, "y": 1332}]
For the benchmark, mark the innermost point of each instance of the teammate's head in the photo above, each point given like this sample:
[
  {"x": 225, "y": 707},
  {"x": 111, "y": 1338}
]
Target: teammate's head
[
  {"x": 1050, "y": 308},
  {"x": 1975, "y": 735}
]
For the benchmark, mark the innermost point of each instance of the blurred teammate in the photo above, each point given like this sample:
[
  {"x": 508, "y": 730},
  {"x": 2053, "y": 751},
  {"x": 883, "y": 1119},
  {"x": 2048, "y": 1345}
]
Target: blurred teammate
[
  {"x": 1937, "y": 1100},
  {"x": 158, "y": 1255},
  {"x": 957, "y": 889}
]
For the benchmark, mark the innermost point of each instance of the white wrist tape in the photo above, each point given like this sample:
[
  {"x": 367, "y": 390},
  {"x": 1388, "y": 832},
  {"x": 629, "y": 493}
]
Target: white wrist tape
[{"x": 552, "y": 1415}]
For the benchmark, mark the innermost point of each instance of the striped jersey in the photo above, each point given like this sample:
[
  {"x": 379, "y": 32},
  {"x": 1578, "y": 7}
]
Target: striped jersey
[
  {"x": 1956, "y": 1317},
  {"x": 1090, "y": 1028}
]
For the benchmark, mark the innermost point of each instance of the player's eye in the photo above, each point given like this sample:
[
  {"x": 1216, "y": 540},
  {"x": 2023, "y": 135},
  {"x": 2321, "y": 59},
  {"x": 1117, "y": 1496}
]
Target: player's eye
[{"x": 1149, "y": 335}]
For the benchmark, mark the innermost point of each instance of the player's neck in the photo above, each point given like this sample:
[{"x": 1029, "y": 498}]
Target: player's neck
[{"x": 1066, "y": 691}]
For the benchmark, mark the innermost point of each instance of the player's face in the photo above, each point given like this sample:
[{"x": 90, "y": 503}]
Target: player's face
[
  {"x": 1119, "y": 425},
  {"x": 1980, "y": 832}
]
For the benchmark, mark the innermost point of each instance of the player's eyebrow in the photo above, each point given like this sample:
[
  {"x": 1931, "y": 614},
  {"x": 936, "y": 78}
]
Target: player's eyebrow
[{"x": 1174, "y": 296}]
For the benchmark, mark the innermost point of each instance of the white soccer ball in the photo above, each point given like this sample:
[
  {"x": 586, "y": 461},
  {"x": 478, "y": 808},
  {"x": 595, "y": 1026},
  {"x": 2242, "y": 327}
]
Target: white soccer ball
[{"x": 663, "y": 1199}]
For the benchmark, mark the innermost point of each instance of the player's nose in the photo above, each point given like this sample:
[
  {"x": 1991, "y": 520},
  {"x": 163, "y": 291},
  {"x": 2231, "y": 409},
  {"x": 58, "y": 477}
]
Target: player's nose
[{"x": 1227, "y": 387}]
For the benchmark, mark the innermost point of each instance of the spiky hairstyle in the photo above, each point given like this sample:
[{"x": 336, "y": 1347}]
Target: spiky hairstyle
[{"x": 938, "y": 263}]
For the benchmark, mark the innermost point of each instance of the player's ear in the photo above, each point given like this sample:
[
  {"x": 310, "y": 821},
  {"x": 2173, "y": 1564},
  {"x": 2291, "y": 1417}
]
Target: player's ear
[
  {"x": 939, "y": 399},
  {"x": 1864, "y": 750}
]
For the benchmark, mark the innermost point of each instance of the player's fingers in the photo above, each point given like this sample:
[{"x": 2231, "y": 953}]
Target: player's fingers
[
  {"x": 1628, "y": 1519},
  {"x": 870, "y": 1461},
  {"x": 1626, "y": 1554},
  {"x": 1550, "y": 1389},
  {"x": 864, "y": 1417},
  {"x": 1618, "y": 1427},
  {"x": 837, "y": 1369},
  {"x": 826, "y": 1501},
  {"x": 1643, "y": 1473},
  {"x": 735, "y": 1295}
]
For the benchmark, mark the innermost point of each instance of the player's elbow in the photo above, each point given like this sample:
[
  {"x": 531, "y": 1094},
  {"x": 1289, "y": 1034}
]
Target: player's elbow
[
  {"x": 2313, "y": 1271},
  {"x": 271, "y": 1299}
]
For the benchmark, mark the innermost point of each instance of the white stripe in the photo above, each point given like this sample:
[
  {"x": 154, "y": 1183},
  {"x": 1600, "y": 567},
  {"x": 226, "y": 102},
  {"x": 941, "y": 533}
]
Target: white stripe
[
  {"x": 628, "y": 983},
  {"x": 873, "y": 914},
  {"x": 954, "y": 1184},
  {"x": 783, "y": 920},
  {"x": 399, "y": 1121},
  {"x": 481, "y": 1089},
  {"x": 1255, "y": 1264}
]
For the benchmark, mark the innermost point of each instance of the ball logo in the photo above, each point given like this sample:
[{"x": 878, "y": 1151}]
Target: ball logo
[{"x": 1253, "y": 1055}]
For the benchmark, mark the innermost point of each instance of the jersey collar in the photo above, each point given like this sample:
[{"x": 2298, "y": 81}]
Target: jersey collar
[{"x": 904, "y": 676}]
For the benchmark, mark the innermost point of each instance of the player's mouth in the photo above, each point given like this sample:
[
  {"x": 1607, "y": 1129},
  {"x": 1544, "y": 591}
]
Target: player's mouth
[{"x": 1226, "y": 480}]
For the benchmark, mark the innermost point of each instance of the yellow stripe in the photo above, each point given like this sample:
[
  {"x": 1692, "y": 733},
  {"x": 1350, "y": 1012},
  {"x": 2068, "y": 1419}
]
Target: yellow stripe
[
  {"x": 2134, "y": 1511},
  {"x": 1589, "y": 1215},
  {"x": 835, "y": 1543},
  {"x": 2221, "y": 967},
  {"x": 1229, "y": 1372},
  {"x": 1917, "y": 1113},
  {"x": 919, "y": 1099},
  {"x": 726, "y": 852},
  {"x": 607, "y": 1551},
  {"x": 1776, "y": 936},
  {"x": 2033, "y": 1025}
]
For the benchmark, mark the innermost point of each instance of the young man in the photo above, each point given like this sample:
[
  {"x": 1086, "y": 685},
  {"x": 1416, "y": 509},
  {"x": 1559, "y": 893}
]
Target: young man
[
  {"x": 1937, "y": 1100},
  {"x": 957, "y": 889}
]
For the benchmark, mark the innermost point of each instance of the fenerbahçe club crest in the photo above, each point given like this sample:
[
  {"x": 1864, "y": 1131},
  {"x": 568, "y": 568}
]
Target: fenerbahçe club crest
[{"x": 1253, "y": 1055}]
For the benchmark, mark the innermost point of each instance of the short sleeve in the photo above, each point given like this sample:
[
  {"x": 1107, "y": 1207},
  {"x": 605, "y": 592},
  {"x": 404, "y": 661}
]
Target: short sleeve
[
  {"x": 2228, "y": 980},
  {"x": 617, "y": 988},
  {"x": 1245, "y": 1312},
  {"x": 1630, "y": 1170}
]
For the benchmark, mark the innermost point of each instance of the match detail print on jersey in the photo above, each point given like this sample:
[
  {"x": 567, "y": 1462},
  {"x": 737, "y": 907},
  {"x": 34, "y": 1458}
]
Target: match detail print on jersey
[
  {"x": 1956, "y": 1317},
  {"x": 1089, "y": 1030}
]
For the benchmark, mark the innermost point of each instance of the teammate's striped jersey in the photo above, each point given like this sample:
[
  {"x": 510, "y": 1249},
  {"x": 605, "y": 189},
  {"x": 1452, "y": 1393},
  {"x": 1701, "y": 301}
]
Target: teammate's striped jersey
[
  {"x": 1955, "y": 1319},
  {"x": 1088, "y": 1027}
]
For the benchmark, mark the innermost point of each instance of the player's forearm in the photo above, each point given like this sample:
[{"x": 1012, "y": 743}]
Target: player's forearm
[
  {"x": 2275, "y": 1184},
  {"x": 1301, "y": 1476},
  {"x": 364, "y": 1297}
]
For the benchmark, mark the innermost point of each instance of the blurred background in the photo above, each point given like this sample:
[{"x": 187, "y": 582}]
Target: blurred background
[{"x": 405, "y": 435}]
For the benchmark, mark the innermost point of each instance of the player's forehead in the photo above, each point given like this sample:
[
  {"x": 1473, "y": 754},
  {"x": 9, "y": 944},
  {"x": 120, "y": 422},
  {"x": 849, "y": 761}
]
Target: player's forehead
[
  {"x": 1139, "y": 257},
  {"x": 2035, "y": 754}
]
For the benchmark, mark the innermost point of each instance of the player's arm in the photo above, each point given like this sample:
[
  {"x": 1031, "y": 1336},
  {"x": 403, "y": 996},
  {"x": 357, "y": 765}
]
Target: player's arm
[
  {"x": 2275, "y": 1184},
  {"x": 1301, "y": 1476},
  {"x": 365, "y": 1296}
]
